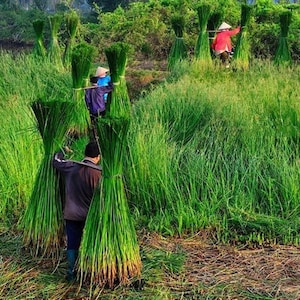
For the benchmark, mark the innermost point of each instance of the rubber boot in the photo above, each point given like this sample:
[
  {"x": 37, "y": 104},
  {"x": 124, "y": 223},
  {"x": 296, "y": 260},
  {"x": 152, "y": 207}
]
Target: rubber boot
[{"x": 71, "y": 258}]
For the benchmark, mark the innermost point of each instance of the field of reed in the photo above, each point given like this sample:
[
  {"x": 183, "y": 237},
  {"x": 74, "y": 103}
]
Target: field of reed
[{"x": 209, "y": 150}]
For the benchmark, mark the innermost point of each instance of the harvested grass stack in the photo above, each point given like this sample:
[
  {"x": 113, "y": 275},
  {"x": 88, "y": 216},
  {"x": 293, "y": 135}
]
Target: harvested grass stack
[
  {"x": 283, "y": 54},
  {"x": 109, "y": 250},
  {"x": 81, "y": 60},
  {"x": 42, "y": 222},
  {"x": 54, "y": 51},
  {"x": 72, "y": 21},
  {"x": 39, "y": 48},
  {"x": 202, "y": 49},
  {"x": 242, "y": 51},
  {"x": 179, "y": 49},
  {"x": 118, "y": 102}
]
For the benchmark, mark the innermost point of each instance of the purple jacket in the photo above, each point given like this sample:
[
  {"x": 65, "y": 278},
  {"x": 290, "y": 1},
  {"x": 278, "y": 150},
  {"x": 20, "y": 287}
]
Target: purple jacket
[
  {"x": 81, "y": 181},
  {"x": 94, "y": 98}
]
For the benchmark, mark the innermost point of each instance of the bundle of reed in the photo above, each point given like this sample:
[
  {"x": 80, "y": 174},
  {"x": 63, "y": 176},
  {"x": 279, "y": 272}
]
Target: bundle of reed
[
  {"x": 283, "y": 54},
  {"x": 118, "y": 103},
  {"x": 178, "y": 50},
  {"x": 54, "y": 51},
  {"x": 241, "y": 54},
  {"x": 202, "y": 49},
  {"x": 39, "y": 48},
  {"x": 72, "y": 22},
  {"x": 109, "y": 252},
  {"x": 81, "y": 60},
  {"x": 42, "y": 223}
]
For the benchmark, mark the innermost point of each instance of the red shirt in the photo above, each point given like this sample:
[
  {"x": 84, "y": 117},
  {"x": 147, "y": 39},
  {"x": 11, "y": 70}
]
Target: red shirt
[{"x": 222, "y": 41}]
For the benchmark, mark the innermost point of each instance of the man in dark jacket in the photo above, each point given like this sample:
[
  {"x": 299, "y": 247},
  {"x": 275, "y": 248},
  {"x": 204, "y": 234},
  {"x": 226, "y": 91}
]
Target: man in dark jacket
[{"x": 81, "y": 180}]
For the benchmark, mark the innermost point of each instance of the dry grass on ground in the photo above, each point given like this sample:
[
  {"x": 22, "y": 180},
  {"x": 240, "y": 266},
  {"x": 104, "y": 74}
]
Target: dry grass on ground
[{"x": 174, "y": 268}]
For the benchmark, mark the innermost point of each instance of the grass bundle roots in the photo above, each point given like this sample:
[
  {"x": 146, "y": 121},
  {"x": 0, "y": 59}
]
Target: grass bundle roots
[
  {"x": 42, "y": 223},
  {"x": 179, "y": 49},
  {"x": 283, "y": 54},
  {"x": 202, "y": 49},
  {"x": 242, "y": 52}
]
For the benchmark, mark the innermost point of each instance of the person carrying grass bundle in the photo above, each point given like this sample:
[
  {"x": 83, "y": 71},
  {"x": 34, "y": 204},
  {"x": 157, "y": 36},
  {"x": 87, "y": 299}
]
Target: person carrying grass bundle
[
  {"x": 221, "y": 44},
  {"x": 81, "y": 181},
  {"x": 95, "y": 101}
]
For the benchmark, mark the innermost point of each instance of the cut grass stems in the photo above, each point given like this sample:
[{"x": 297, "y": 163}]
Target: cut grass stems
[
  {"x": 202, "y": 49},
  {"x": 283, "y": 54},
  {"x": 42, "y": 222},
  {"x": 39, "y": 48},
  {"x": 179, "y": 49},
  {"x": 242, "y": 52}
]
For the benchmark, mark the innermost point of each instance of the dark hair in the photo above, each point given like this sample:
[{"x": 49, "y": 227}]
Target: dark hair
[
  {"x": 94, "y": 79},
  {"x": 92, "y": 150}
]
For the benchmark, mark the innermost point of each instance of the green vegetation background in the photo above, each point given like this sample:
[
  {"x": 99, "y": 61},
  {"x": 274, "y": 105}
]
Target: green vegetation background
[{"x": 146, "y": 26}]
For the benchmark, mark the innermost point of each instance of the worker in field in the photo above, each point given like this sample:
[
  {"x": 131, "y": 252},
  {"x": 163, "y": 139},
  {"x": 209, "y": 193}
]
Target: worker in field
[
  {"x": 221, "y": 44},
  {"x": 95, "y": 101},
  {"x": 103, "y": 79},
  {"x": 81, "y": 180}
]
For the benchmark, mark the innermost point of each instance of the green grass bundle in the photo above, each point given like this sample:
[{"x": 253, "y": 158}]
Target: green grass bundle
[
  {"x": 202, "y": 48},
  {"x": 179, "y": 49},
  {"x": 241, "y": 54},
  {"x": 81, "y": 61},
  {"x": 72, "y": 22},
  {"x": 54, "y": 51},
  {"x": 109, "y": 250},
  {"x": 118, "y": 103},
  {"x": 39, "y": 48},
  {"x": 283, "y": 54},
  {"x": 42, "y": 223}
]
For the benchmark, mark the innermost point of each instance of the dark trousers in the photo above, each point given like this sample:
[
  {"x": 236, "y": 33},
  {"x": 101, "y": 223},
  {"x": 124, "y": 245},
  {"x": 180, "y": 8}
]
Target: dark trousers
[
  {"x": 74, "y": 230},
  {"x": 225, "y": 57}
]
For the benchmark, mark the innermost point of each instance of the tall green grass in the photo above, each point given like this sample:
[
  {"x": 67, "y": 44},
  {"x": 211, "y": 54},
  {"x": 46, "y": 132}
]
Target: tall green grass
[
  {"x": 22, "y": 80},
  {"x": 206, "y": 156},
  {"x": 208, "y": 149}
]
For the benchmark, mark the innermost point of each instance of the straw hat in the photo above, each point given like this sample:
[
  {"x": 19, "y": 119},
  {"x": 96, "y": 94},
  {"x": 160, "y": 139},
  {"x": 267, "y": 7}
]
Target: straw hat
[
  {"x": 224, "y": 26},
  {"x": 101, "y": 72}
]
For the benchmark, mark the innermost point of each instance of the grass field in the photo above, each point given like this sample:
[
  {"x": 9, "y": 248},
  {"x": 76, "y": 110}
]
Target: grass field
[{"x": 211, "y": 173}]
